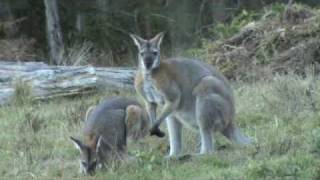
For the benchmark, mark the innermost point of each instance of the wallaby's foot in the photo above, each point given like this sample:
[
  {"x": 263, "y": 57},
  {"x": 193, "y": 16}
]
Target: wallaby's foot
[{"x": 157, "y": 132}]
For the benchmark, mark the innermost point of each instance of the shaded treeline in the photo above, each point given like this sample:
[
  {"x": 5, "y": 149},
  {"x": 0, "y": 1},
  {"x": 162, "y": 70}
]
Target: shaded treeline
[{"x": 106, "y": 23}]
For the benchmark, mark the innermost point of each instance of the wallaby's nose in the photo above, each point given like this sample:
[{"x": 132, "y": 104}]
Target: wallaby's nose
[{"x": 148, "y": 61}]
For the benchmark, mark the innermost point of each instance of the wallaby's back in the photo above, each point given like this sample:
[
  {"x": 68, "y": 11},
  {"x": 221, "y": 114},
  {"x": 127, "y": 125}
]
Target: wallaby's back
[
  {"x": 108, "y": 120},
  {"x": 187, "y": 73}
]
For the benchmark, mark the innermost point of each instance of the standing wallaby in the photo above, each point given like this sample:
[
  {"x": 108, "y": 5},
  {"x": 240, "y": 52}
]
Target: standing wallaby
[
  {"x": 192, "y": 93},
  {"x": 106, "y": 129}
]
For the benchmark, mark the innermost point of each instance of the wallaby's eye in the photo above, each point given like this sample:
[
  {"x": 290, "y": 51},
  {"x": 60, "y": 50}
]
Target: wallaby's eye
[
  {"x": 155, "y": 53},
  {"x": 142, "y": 53}
]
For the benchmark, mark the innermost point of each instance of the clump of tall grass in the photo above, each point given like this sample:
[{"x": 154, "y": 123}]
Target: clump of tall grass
[
  {"x": 23, "y": 93},
  {"x": 76, "y": 113},
  {"x": 78, "y": 54},
  {"x": 292, "y": 95},
  {"x": 28, "y": 142}
]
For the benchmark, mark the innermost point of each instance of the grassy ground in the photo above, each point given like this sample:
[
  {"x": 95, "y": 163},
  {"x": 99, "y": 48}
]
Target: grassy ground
[{"x": 281, "y": 115}]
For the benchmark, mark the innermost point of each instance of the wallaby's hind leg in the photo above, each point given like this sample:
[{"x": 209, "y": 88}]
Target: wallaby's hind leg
[
  {"x": 205, "y": 129},
  {"x": 206, "y": 140},
  {"x": 175, "y": 131},
  {"x": 233, "y": 133}
]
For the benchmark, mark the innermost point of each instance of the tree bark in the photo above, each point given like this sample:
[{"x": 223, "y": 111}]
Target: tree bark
[
  {"x": 54, "y": 34},
  {"x": 56, "y": 81}
]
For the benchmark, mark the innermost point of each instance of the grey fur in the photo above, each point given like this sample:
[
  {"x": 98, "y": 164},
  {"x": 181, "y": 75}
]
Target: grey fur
[
  {"x": 107, "y": 128},
  {"x": 193, "y": 93}
]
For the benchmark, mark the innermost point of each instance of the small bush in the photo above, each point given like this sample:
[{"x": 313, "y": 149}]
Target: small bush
[{"x": 226, "y": 30}]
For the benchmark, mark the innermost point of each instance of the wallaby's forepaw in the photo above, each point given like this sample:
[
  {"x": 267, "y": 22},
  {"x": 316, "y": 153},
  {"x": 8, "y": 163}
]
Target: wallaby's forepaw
[{"x": 157, "y": 132}]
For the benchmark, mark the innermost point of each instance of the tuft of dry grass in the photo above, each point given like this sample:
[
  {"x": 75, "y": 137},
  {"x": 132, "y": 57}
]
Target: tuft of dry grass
[
  {"x": 22, "y": 93},
  {"x": 78, "y": 54}
]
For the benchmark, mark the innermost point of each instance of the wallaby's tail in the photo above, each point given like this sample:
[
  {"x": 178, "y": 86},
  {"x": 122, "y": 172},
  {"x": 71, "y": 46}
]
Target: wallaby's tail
[{"x": 233, "y": 133}]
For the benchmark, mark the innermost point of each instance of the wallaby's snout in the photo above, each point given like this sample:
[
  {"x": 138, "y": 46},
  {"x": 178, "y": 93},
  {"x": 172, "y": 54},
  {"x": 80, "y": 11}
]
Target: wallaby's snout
[
  {"x": 88, "y": 156},
  {"x": 149, "y": 59}
]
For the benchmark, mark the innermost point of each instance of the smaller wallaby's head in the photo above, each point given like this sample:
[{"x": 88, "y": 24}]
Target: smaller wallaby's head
[
  {"x": 149, "y": 51},
  {"x": 89, "y": 159},
  {"x": 137, "y": 122}
]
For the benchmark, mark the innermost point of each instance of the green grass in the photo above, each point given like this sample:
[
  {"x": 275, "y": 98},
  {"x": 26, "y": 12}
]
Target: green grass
[{"x": 281, "y": 115}]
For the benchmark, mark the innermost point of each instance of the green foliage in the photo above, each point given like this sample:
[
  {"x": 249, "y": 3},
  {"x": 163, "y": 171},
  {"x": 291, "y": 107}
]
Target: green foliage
[
  {"x": 267, "y": 42},
  {"x": 289, "y": 167},
  {"x": 106, "y": 24},
  {"x": 109, "y": 33},
  {"x": 316, "y": 141},
  {"x": 226, "y": 30},
  {"x": 274, "y": 10}
]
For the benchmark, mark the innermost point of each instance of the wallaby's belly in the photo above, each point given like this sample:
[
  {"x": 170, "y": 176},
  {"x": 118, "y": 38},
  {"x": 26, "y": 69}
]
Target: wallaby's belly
[
  {"x": 187, "y": 113},
  {"x": 151, "y": 92},
  {"x": 187, "y": 118}
]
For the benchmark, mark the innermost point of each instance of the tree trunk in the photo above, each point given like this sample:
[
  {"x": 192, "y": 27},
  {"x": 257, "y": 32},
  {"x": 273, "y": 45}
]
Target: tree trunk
[
  {"x": 56, "y": 81},
  {"x": 54, "y": 34}
]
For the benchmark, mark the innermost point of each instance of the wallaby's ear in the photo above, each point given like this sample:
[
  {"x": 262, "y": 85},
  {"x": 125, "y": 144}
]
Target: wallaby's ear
[
  {"x": 138, "y": 41},
  {"x": 77, "y": 143},
  {"x": 157, "y": 39},
  {"x": 133, "y": 115}
]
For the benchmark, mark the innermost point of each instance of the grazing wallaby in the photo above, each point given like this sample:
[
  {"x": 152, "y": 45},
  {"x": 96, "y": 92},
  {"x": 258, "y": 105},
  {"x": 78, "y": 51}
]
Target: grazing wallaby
[
  {"x": 193, "y": 94},
  {"x": 106, "y": 129}
]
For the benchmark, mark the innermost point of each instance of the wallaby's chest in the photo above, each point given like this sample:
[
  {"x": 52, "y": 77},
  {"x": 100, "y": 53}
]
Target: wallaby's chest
[{"x": 151, "y": 91}]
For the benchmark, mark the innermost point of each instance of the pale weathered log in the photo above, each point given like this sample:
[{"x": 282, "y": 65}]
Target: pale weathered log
[{"x": 52, "y": 81}]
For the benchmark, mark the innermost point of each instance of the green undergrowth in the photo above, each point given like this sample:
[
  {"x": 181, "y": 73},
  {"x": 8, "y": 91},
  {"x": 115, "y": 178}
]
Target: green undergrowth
[{"x": 254, "y": 45}]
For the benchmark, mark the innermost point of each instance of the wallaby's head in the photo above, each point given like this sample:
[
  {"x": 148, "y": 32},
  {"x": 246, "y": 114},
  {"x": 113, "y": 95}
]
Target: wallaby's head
[
  {"x": 149, "y": 51},
  {"x": 89, "y": 159},
  {"x": 137, "y": 122}
]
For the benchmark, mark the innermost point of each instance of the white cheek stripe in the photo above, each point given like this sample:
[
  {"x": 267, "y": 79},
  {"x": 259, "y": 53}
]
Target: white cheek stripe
[{"x": 156, "y": 63}]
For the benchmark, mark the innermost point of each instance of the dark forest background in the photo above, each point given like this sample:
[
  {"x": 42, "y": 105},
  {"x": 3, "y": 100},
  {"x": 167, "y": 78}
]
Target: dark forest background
[{"x": 101, "y": 27}]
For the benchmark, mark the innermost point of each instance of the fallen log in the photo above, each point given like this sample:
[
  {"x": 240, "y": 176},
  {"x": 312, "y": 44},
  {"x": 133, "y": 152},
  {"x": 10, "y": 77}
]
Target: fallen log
[{"x": 55, "y": 81}]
